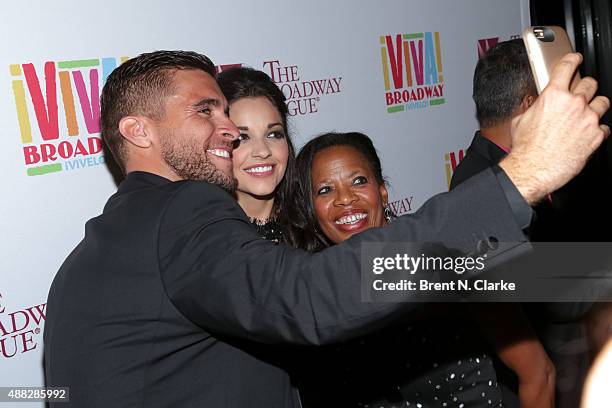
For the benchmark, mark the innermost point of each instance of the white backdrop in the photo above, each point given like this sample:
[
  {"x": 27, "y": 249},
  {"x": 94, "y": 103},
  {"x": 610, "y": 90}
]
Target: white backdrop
[{"x": 330, "y": 57}]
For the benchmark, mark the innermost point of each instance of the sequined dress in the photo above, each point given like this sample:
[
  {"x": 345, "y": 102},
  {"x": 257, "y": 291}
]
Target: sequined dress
[
  {"x": 410, "y": 366},
  {"x": 268, "y": 229},
  {"x": 435, "y": 363}
]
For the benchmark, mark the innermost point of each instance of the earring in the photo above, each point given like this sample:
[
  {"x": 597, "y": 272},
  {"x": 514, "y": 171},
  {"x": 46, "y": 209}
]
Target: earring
[{"x": 388, "y": 214}]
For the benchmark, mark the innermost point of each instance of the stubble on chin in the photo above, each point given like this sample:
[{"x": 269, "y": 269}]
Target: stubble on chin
[
  {"x": 229, "y": 184},
  {"x": 190, "y": 164}
]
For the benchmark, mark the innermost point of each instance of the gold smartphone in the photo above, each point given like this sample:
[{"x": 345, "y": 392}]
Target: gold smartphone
[{"x": 546, "y": 45}]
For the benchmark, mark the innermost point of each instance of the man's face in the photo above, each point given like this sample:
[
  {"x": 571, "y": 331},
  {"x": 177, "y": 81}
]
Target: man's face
[{"x": 195, "y": 133}]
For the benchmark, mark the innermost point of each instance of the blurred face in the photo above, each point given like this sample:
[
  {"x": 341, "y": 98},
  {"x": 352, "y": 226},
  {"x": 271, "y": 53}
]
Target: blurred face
[
  {"x": 347, "y": 198},
  {"x": 260, "y": 159},
  {"x": 195, "y": 132}
]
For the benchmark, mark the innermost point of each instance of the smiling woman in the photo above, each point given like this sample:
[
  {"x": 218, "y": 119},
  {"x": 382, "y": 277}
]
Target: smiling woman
[
  {"x": 347, "y": 195},
  {"x": 340, "y": 191},
  {"x": 263, "y": 157}
]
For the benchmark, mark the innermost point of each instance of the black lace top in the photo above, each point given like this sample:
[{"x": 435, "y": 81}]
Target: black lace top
[{"x": 268, "y": 229}]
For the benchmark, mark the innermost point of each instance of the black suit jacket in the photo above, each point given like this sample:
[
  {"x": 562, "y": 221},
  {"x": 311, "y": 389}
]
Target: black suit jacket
[
  {"x": 173, "y": 300},
  {"x": 576, "y": 212},
  {"x": 483, "y": 153}
]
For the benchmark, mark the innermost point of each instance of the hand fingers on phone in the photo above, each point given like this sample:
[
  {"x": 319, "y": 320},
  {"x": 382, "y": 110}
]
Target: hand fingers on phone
[
  {"x": 587, "y": 86},
  {"x": 600, "y": 105},
  {"x": 564, "y": 71}
]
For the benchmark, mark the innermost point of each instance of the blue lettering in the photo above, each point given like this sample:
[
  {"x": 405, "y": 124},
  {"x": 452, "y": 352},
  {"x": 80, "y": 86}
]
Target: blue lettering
[
  {"x": 84, "y": 162},
  {"x": 108, "y": 65},
  {"x": 417, "y": 105},
  {"x": 431, "y": 72}
]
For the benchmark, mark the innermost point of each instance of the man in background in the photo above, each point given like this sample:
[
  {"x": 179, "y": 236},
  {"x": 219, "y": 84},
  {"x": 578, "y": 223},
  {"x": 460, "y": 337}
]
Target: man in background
[{"x": 504, "y": 89}]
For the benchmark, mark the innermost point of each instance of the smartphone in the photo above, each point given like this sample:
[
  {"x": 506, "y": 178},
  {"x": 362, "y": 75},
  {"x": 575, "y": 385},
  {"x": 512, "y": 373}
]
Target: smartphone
[{"x": 546, "y": 45}]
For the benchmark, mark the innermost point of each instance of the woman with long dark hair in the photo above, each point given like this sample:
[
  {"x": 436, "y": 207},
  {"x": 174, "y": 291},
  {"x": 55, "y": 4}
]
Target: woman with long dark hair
[{"x": 264, "y": 157}]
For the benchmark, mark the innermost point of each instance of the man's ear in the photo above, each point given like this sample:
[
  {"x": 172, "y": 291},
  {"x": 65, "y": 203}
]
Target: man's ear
[
  {"x": 527, "y": 101},
  {"x": 135, "y": 130}
]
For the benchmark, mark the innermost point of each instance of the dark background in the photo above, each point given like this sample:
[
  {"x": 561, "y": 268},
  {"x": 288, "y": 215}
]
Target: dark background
[{"x": 589, "y": 26}]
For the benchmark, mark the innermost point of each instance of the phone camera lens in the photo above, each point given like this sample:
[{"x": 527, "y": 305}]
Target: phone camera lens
[{"x": 544, "y": 34}]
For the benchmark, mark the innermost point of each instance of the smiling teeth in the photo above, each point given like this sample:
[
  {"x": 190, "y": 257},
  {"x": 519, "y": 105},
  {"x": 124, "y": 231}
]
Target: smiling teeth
[
  {"x": 261, "y": 169},
  {"x": 219, "y": 152},
  {"x": 351, "y": 219}
]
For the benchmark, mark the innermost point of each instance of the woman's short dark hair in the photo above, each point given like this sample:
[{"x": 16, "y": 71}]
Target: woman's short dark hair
[
  {"x": 246, "y": 82},
  {"x": 304, "y": 231}
]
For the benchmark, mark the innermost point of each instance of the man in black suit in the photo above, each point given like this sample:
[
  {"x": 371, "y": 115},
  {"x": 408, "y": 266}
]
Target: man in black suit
[
  {"x": 170, "y": 297},
  {"x": 503, "y": 89}
]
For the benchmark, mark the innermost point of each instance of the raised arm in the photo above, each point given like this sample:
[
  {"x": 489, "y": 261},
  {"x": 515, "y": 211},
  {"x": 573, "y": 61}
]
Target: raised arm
[{"x": 223, "y": 277}]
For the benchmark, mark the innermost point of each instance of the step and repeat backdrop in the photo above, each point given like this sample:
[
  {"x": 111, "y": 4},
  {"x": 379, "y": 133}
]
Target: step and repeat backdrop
[{"x": 399, "y": 71}]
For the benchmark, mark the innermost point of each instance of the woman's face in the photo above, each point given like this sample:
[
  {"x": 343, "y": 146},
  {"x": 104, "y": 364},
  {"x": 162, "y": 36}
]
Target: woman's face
[
  {"x": 347, "y": 197},
  {"x": 261, "y": 158}
]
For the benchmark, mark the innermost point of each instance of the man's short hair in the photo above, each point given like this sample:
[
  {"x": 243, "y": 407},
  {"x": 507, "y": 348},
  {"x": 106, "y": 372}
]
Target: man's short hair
[
  {"x": 138, "y": 87},
  {"x": 502, "y": 80}
]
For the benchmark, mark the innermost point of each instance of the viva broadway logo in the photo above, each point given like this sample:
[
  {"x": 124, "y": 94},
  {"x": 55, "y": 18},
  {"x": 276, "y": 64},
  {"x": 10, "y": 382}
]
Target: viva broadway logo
[
  {"x": 451, "y": 161},
  {"x": 412, "y": 71},
  {"x": 52, "y": 143}
]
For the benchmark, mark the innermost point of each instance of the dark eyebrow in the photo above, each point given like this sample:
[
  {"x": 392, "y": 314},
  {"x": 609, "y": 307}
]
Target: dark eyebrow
[
  {"x": 320, "y": 185},
  {"x": 270, "y": 126},
  {"x": 322, "y": 182},
  {"x": 328, "y": 181},
  {"x": 211, "y": 102},
  {"x": 207, "y": 101}
]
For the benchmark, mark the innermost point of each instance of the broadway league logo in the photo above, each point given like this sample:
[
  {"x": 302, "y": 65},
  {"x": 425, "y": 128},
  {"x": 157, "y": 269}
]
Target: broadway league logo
[
  {"x": 486, "y": 44},
  {"x": 20, "y": 329},
  {"x": 401, "y": 206},
  {"x": 303, "y": 96},
  {"x": 412, "y": 70},
  {"x": 451, "y": 161}
]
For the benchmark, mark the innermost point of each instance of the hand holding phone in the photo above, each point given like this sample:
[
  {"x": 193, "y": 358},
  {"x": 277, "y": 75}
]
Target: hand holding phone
[{"x": 560, "y": 123}]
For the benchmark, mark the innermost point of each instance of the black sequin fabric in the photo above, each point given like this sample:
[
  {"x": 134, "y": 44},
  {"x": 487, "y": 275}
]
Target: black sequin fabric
[
  {"x": 268, "y": 229},
  {"x": 431, "y": 365}
]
